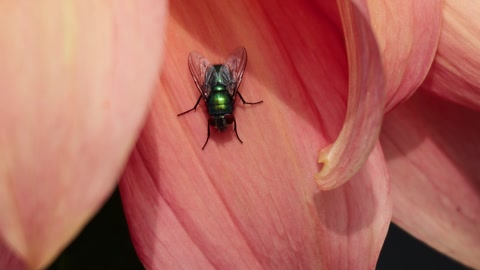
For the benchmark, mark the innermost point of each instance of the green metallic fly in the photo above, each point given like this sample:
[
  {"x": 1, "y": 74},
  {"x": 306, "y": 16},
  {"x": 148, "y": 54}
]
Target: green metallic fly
[{"x": 218, "y": 86}]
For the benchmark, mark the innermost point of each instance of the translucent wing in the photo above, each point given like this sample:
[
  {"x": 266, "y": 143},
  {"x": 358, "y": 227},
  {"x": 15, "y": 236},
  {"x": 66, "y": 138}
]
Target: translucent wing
[
  {"x": 199, "y": 66},
  {"x": 236, "y": 64}
]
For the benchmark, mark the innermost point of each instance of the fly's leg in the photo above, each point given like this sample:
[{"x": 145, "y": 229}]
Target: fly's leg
[
  {"x": 208, "y": 136},
  {"x": 235, "y": 129},
  {"x": 245, "y": 102},
  {"x": 194, "y": 108}
]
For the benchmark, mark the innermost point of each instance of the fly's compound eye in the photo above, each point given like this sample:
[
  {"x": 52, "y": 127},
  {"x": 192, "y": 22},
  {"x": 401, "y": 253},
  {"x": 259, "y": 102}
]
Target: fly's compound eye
[
  {"x": 212, "y": 121},
  {"x": 229, "y": 118}
]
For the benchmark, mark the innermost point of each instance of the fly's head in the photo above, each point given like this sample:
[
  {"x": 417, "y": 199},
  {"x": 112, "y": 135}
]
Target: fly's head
[{"x": 221, "y": 122}]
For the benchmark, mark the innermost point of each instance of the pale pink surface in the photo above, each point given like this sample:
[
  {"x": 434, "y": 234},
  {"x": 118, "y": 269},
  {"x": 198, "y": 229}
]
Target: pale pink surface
[
  {"x": 455, "y": 72},
  {"x": 76, "y": 80},
  {"x": 254, "y": 205},
  {"x": 432, "y": 148}
]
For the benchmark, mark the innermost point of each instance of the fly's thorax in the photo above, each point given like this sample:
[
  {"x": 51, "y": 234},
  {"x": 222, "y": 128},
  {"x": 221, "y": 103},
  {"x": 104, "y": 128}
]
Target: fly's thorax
[
  {"x": 217, "y": 68},
  {"x": 218, "y": 75},
  {"x": 219, "y": 102},
  {"x": 218, "y": 88}
]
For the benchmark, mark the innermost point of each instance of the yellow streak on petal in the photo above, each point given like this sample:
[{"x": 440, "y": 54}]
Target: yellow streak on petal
[{"x": 70, "y": 24}]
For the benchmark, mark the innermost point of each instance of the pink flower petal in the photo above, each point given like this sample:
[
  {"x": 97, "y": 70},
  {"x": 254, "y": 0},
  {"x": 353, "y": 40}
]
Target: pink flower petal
[
  {"x": 250, "y": 221},
  {"x": 455, "y": 73},
  {"x": 407, "y": 33},
  {"x": 433, "y": 149},
  {"x": 76, "y": 80},
  {"x": 253, "y": 205},
  {"x": 360, "y": 130}
]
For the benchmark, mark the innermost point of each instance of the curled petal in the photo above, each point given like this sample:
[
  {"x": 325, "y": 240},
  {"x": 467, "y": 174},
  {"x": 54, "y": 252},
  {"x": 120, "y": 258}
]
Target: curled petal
[
  {"x": 366, "y": 94},
  {"x": 432, "y": 147},
  {"x": 75, "y": 78},
  {"x": 455, "y": 73},
  {"x": 407, "y": 33}
]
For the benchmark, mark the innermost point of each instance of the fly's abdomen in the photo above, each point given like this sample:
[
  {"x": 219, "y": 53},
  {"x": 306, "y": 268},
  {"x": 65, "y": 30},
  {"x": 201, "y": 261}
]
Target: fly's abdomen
[{"x": 219, "y": 103}]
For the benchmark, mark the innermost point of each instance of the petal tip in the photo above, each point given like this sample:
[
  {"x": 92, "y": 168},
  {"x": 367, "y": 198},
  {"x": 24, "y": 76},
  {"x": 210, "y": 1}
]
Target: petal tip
[{"x": 322, "y": 181}]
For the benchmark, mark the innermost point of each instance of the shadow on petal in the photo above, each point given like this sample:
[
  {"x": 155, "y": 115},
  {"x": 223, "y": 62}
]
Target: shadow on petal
[{"x": 8, "y": 259}]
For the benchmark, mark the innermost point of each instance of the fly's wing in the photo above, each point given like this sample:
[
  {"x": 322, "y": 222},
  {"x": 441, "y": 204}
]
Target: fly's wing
[
  {"x": 236, "y": 64},
  {"x": 198, "y": 66}
]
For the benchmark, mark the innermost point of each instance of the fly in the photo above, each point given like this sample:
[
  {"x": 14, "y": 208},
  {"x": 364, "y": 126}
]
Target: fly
[{"x": 218, "y": 86}]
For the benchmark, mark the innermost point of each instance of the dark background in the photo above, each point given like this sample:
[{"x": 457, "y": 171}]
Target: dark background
[{"x": 105, "y": 244}]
